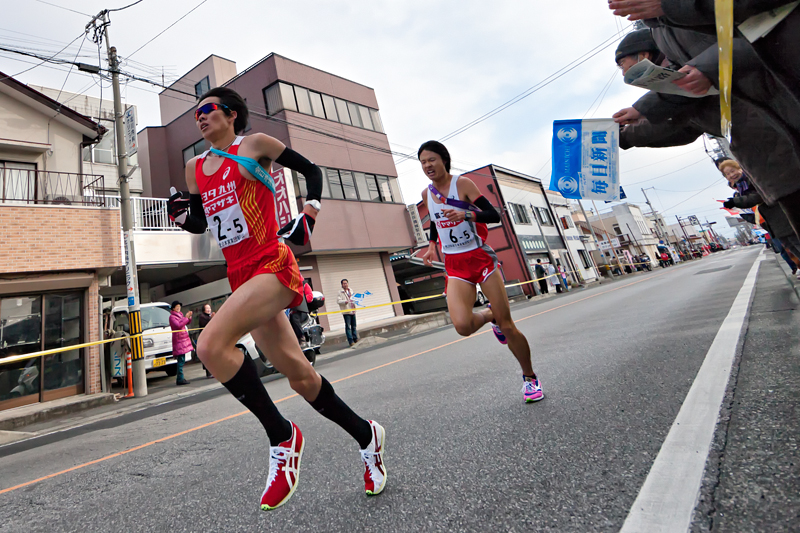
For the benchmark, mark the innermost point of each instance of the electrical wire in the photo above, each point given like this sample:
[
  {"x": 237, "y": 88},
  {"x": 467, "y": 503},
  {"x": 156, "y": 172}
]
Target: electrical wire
[
  {"x": 45, "y": 60},
  {"x": 62, "y": 7},
  {"x": 126, "y": 7},
  {"x": 71, "y": 66},
  {"x": 716, "y": 182},
  {"x": 668, "y": 173},
  {"x": 168, "y": 27}
]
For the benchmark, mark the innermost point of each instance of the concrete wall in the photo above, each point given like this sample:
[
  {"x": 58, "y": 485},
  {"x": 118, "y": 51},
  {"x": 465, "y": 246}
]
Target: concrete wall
[
  {"x": 49, "y": 144},
  {"x": 48, "y": 238}
]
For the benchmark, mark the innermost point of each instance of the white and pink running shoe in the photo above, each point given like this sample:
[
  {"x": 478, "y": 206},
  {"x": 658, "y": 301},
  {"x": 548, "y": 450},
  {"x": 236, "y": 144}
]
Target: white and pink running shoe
[
  {"x": 374, "y": 469},
  {"x": 532, "y": 390},
  {"x": 284, "y": 470}
]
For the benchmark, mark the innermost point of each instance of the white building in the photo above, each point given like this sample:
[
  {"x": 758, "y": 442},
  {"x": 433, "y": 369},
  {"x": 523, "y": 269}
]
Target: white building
[{"x": 100, "y": 158}]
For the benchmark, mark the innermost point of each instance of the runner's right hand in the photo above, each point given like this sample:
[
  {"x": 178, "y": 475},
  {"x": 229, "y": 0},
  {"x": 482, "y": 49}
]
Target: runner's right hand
[
  {"x": 178, "y": 206},
  {"x": 427, "y": 258}
]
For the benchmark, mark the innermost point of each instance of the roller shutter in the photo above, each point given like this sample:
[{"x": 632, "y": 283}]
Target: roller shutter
[{"x": 365, "y": 273}]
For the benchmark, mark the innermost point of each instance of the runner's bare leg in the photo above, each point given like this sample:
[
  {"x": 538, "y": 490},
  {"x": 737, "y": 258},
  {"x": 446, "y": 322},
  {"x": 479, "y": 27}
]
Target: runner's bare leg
[
  {"x": 495, "y": 291},
  {"x": 460, "y": 301}
]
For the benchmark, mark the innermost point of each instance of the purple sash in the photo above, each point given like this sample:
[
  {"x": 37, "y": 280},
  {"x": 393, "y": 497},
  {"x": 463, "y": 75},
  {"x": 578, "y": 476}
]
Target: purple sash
[{"x": 454, "y": 202}]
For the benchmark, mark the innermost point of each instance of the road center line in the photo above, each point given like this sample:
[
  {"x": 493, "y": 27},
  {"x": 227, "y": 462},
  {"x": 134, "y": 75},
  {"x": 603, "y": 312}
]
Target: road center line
[
  {"x": 669, "y": 495},
  {"x": 214, "y": 422}
]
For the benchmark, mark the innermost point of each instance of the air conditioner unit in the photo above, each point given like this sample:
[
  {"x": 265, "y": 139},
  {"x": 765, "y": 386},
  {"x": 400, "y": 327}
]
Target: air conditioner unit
[{"x": 57, "y": 199}]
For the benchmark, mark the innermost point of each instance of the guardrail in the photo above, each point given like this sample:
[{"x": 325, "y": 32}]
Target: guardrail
[
  {"x": 148, "y": 213},
  {"x": 22, "y": 186}
]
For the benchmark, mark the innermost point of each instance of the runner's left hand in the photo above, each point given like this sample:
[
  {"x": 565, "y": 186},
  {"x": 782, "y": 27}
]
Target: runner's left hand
[
  {"x": 298, "y": 231},
  {"x": 454, "y": 215}
]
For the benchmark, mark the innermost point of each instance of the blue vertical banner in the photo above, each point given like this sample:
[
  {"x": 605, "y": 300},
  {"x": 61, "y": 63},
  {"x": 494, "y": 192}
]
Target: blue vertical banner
[{"x": 586, "y": 159}]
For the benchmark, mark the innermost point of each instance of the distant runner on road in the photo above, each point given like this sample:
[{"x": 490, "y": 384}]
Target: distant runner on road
[
  {"x": 231, "y": 191},
  {"x": 459, "y": 214}
]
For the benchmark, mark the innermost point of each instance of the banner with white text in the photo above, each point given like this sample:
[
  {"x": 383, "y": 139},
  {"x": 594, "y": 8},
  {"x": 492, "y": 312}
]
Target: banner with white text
[{"x": 586, "y": 159}]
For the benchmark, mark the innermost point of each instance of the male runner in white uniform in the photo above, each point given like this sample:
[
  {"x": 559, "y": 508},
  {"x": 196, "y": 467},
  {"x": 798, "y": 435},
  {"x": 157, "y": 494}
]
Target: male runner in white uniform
[{"x": 460, "y": 213}]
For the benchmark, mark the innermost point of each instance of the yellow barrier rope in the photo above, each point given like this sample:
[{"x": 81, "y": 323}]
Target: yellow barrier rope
[
  {"x": 723, "y": 10},
  {"x": 34, "y": 355}
]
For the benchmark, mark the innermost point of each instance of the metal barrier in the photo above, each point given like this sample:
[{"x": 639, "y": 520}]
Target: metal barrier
[{"x": 148, "y": 213}]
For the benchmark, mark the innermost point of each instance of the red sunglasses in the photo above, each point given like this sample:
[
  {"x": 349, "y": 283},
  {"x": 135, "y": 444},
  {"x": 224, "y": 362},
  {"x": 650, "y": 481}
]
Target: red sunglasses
[{"x": 205, "y": 109}]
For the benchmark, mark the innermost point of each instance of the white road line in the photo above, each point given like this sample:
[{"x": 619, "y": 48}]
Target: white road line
[{"x": 669, "y": 495}]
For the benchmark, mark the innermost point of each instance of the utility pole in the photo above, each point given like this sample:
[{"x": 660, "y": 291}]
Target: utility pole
[
  {"x": 614, "y": 250},
  {"x": 596, "y": 244},
  {"x": 131, "y": 278},
  {"x": 655, "y": 215}
]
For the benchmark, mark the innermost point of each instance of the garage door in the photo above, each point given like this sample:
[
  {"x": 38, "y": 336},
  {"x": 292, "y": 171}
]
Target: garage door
[{"x": 367, "y": 278}]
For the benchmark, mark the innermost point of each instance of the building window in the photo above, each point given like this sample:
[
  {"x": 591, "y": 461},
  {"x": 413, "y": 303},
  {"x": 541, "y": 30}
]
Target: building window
[
  {"x": 519, "y": 213},
  {"x": 201, "y": 87},
  {"x": 544, "y": 216},
  {"x": 341, "y": 109},
  {"x": 317, "y": 109},
  {"x": 616, "y": 229},
  {"x": 34, "y": 323},
  {"x": 587, "y": 263},
  {"x": 194, "y": 150},
  {"x": 330, "y": 108},
  {"x": 349, "y": 185},
  {"x": 102, "y": 152},
  {"x": 281, "y": 96},
  {"x": 566, "y": 222}
]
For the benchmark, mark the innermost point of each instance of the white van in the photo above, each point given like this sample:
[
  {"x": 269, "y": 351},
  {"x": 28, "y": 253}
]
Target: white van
[
  {"x": 157, "y": 341},
  {"x": 156, "y": 338}
]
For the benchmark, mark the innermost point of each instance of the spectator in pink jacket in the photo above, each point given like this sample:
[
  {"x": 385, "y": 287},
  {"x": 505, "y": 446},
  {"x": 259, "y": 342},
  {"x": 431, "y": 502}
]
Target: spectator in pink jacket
[{"x": 181, "y": 343}]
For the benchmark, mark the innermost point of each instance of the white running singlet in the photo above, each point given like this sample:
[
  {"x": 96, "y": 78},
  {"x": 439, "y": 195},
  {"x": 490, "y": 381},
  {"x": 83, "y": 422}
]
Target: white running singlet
[{"x": 455, "y": 237}]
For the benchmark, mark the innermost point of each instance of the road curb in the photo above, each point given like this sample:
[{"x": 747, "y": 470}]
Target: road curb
[{"x": 24, "y": 416}]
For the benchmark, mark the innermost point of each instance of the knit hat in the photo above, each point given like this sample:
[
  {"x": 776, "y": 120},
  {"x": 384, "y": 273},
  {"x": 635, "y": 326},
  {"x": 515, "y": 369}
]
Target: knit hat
[{"x": 635, "y": 42}]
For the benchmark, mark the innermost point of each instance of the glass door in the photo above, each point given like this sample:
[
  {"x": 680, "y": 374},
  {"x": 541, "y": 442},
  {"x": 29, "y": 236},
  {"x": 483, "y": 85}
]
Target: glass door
[
  {"x": 63, "y": 326},
  {"x": 20, "y": 333}
]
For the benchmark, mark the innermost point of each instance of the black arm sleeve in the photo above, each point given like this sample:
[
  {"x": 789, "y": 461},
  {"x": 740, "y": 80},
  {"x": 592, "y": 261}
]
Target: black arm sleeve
[
  {"x": 291, "y": 159},
  {"x": 488, "y": 214},
  {"x": 747, "y": 201},
  {"x": 434, "y": 234},
  {"x": 196, "y": 220}
]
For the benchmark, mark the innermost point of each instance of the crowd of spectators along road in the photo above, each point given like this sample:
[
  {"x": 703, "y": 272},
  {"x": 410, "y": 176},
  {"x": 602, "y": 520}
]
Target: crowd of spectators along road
[{"x": 765, "y": 106}]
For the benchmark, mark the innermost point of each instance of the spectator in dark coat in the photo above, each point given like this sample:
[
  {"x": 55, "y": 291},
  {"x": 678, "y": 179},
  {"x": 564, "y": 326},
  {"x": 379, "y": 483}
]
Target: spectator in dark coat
[
  {"x": 181, "y": 343},
  {"x": 541, "y": 276}
]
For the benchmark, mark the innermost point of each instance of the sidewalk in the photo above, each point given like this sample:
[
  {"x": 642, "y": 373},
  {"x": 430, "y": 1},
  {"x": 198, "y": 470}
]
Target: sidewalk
[{"x": 752, "y": 480}]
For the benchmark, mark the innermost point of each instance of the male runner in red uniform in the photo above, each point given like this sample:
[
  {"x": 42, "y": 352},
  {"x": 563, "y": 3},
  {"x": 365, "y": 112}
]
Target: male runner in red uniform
[
  {"x": 225, "y": 194},
  {"x": 459, "y": 211}
]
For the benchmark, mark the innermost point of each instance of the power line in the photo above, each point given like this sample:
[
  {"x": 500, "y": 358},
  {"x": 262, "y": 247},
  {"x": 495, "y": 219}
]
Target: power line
[
  {"x": 716, "y": 182},
  {"x": 168, "y": 27},
  {"x": 126, "y": 7},
  {"x": 62, "y": 7},
  {"x": 668, "y": 173},
  {"x": 45, "y": 60}
]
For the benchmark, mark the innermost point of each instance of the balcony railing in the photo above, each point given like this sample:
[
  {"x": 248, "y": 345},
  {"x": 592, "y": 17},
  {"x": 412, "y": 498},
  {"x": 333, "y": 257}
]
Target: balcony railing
[
  {"x": 148, "y": 213},
  {"x": 46, "y": 187}
]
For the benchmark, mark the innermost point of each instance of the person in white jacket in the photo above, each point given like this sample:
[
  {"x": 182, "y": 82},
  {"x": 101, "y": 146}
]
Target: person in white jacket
[{"x": 346, "y": 304}]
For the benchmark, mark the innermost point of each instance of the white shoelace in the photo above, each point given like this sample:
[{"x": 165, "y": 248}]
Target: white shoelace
[
  {"x": 276, "y": 455},
  {"x": 369, "y": 460},
  {"x": 529, "y": 387}
]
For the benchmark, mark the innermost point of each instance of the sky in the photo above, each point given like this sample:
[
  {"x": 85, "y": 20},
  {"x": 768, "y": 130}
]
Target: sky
[{"x": 435, "y": 67}]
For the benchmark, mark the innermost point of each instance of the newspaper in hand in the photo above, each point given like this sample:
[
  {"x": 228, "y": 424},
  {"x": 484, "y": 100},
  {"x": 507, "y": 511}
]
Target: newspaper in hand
[
  {"x": 647, "y": 75},
  {"x": 759, "y": 25}
]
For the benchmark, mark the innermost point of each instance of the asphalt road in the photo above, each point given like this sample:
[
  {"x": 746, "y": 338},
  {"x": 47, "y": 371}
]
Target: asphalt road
[{"x": 463, "y": 452}]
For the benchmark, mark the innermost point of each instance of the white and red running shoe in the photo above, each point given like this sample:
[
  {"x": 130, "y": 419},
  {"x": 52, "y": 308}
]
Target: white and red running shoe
[
  {"x": 284, "y": 470},
  {"x": 374, "y": 469},
  {"x": 532, "y": 390}
]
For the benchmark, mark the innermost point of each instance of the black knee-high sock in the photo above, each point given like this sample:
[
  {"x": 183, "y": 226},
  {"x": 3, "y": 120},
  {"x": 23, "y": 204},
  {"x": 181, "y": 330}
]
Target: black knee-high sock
[
  {"x": 248, "y": 389},
  {"x": 329, "y": 405}
]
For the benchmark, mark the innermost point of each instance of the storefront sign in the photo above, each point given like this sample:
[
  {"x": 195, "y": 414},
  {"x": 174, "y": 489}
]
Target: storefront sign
[
  {"x": 129, "y": 268},
  {"x": 416, "y": 224},
  {"x": 129, "y": 126},
  {"x": 285, "y": 206}
]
